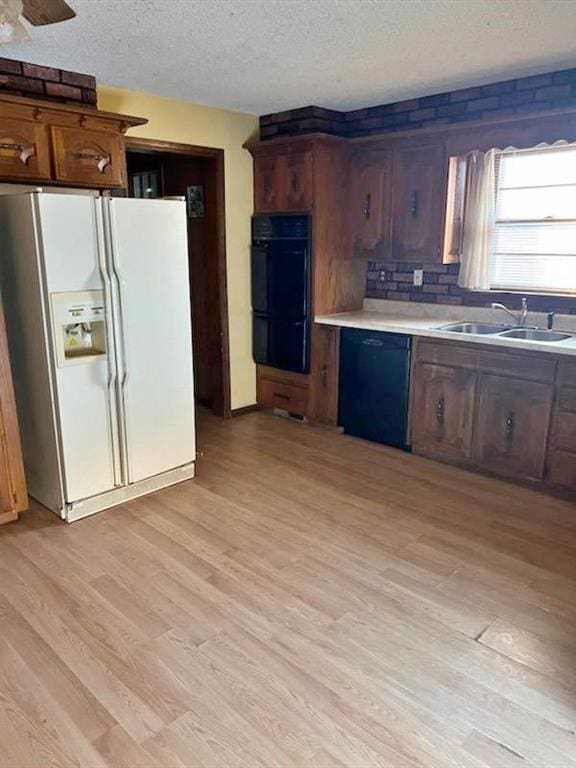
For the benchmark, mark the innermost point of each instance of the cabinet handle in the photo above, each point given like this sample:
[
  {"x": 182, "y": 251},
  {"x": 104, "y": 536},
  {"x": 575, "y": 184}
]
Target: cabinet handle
[
  {"x": 280, "y": 395},
  {"x": 295, "y": 183},
  {"x": 440, "y": 410},
  {"x": 324, "y": 375},
  {"x": 25, "y": 151},
  {"x": 103, "y": 161},
  {"x": 510, "y": 425},
  {"x": 368, "y": 205},
  {"x": 267, "y": 185},
  {"x": 414, "y": 204}
]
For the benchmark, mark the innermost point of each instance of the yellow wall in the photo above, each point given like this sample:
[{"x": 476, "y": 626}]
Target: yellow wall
[{"x": 182, "y": 121}]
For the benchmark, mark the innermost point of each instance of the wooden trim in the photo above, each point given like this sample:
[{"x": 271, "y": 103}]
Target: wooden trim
[
  {"x": 136, "y": 143},
  {"x": 221, "y": 404},
  {"x": 43, "y": 106},
  {"x": 245, "y": 410}
]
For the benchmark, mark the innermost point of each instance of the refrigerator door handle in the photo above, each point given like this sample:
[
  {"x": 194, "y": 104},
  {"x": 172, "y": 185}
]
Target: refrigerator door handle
[
  {"x": 112, "y": 360},
  {"x": 119, "y": 337}
]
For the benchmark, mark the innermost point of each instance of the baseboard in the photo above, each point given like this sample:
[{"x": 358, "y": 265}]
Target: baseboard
[{"x": 243, "y": 411}]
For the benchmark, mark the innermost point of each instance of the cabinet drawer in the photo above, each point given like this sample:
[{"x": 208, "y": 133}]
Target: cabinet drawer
[
  {"x": 562, "y": 469},
  {"x": 565, "y": 431},
  {"x": 24, "y": 150},
  {"x": 279, "y": 394},
  {"x": 88, "y": 158},
  {"x": 518, "y": 365},
  {"x": 567, "y": 373},
  {"x": 567, "y": 400},
  {"x": 447, "y": 354}
]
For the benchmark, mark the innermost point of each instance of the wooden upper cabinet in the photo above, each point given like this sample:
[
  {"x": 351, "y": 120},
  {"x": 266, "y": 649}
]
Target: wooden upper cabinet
[
  {"x": 267, "y": 183},
  {"x": 512, "y": 426},
  {"x": 443, "y": 411},
  {"x": 41, "y": 142},
  {"x": 420, "y": 179},
  {"x": 24, "y": 150},
  {"x": 88, "y": 157},
  {"x": 370, "y": 187},
  {"x": 297, "y": 181},
  {"x": 283, "y": 182}
]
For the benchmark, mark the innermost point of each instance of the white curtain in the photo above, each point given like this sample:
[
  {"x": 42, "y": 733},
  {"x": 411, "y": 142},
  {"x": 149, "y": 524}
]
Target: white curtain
[{"x": 478, "y": 221}]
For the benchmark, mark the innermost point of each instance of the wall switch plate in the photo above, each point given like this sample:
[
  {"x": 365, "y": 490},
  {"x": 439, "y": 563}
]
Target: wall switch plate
[
  {"x": 418, "y": 276},
  {"x": 383, "y": 276}
]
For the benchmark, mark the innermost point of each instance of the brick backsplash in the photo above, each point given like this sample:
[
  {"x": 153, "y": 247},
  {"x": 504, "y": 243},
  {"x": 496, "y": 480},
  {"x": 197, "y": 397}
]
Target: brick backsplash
[
  {"x": 508, "y": 97},
  {"x": 20, "y": 78},
  {"x": 393, "y": 280}
]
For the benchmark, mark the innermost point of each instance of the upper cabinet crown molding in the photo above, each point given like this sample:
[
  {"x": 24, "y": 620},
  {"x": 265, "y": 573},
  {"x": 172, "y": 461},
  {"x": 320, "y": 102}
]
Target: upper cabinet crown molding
[{"x": 62, "y": 144}]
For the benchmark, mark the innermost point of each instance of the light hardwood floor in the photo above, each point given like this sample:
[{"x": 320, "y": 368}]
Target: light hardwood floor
[{"x": 310, "y": 600}]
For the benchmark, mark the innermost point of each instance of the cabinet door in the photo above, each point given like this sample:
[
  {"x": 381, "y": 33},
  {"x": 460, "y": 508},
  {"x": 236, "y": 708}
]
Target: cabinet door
[
  {"x": 512, "y": 426},
  {"x": 88, "y": 158},
  {"x": 24, "y": 150},
  {"x": 296, "y": 173},
  {"x": 420, "y": 176},
  {"x": 268, "y": 178},
  {"x": 370, "y": 201},
  {"x": 443, "y": 411},
  {"x": 324, "y": 379}
]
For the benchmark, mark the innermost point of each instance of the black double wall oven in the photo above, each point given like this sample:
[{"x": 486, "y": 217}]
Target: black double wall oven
[{"x": 281, "y": 295}]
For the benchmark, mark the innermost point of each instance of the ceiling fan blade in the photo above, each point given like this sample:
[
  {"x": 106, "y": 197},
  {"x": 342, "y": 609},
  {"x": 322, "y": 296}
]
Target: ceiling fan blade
[{"x": 41, "y": 12}]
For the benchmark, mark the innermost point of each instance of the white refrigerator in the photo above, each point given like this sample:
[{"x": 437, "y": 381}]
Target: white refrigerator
[{"x": 97, "y": 300}]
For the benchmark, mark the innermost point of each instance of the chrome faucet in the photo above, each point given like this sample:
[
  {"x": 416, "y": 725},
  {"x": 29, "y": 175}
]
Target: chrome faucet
[{"x": 521, "y": 317}]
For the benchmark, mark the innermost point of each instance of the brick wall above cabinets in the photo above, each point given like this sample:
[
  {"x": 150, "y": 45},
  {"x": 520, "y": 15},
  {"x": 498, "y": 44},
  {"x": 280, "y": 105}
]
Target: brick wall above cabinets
[
  {"x": 394, "y": 280},
  {"x": 508, "y": 97},
  {"x": 20, "y": 78}
]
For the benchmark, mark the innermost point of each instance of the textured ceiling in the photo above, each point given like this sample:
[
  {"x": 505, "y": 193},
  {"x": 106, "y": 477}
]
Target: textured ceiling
[{"x": 263, "y": 56}]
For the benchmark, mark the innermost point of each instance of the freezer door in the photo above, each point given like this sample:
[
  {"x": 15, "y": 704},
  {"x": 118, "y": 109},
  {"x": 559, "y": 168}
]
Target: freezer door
[
  {"x": 69, "y": 235},
  {"x": 149, "y": 258}
]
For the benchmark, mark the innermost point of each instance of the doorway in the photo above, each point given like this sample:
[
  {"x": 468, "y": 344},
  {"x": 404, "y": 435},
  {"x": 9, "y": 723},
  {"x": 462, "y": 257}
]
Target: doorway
[{"x": 166, "y": 169}]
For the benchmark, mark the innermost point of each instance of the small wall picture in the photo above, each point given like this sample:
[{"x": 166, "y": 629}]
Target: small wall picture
[{"x": 195, "y": 201}]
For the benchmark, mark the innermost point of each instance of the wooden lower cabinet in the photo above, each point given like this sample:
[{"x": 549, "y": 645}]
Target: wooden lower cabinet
[
  {"x": 443, "y": 411},
  {"x": 323, "y": 396},
  {"x": 512, "y": 427},
  {"x": 493, "y": 410},
  {"x": 282, "y": 389}
]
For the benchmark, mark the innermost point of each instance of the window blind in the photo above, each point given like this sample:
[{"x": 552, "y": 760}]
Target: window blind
[{"x": 534, "y": 245}]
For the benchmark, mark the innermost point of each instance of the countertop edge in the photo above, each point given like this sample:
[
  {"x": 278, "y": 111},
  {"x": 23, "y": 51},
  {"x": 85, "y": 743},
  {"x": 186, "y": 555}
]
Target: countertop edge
[{"x": 411, "y": 326}]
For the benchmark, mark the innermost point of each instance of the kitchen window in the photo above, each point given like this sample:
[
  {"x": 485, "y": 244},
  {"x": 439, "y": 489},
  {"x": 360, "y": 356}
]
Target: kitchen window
[{"x": 517, "y": 219}]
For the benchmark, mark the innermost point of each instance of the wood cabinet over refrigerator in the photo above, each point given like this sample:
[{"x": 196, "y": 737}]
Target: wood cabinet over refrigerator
[
  {"x": 52, "y": 143},
  {"x": 310, "y": 174}
]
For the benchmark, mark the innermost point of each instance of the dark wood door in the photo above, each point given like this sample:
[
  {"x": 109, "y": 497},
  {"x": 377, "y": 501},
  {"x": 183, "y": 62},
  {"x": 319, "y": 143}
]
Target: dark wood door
[
  {"x": 512, "y": 426},
  {"x": 296, "y": 179},
  {"x": 420, "y": 177},
  {"x": 443, "y": 411},
  {"x": 268, "y": 180},
  {"x": 370, "y": 186}
]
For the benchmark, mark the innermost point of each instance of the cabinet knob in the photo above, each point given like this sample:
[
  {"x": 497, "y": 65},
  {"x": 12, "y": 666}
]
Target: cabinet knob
[
  {"x": 367, "y": 206},
  {"x": 324, "y": 375},
  {"x": 510, "y": 425},
  {"x": 414, "y": 204},
  {"x": 440, "y": 410}
]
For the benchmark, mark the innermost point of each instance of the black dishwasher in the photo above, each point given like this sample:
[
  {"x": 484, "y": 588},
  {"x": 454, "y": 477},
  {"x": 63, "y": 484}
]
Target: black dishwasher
[{"x": 374, "y": 381}]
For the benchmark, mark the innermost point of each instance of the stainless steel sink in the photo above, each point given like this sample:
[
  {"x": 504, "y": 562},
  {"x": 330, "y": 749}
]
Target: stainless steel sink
[
  {"x": 536, "y": 334},
  {"x": 478, "y": 328}
]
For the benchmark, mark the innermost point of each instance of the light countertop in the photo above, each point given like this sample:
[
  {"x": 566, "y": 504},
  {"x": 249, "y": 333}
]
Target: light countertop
[{"x": 426, "y": 320}]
